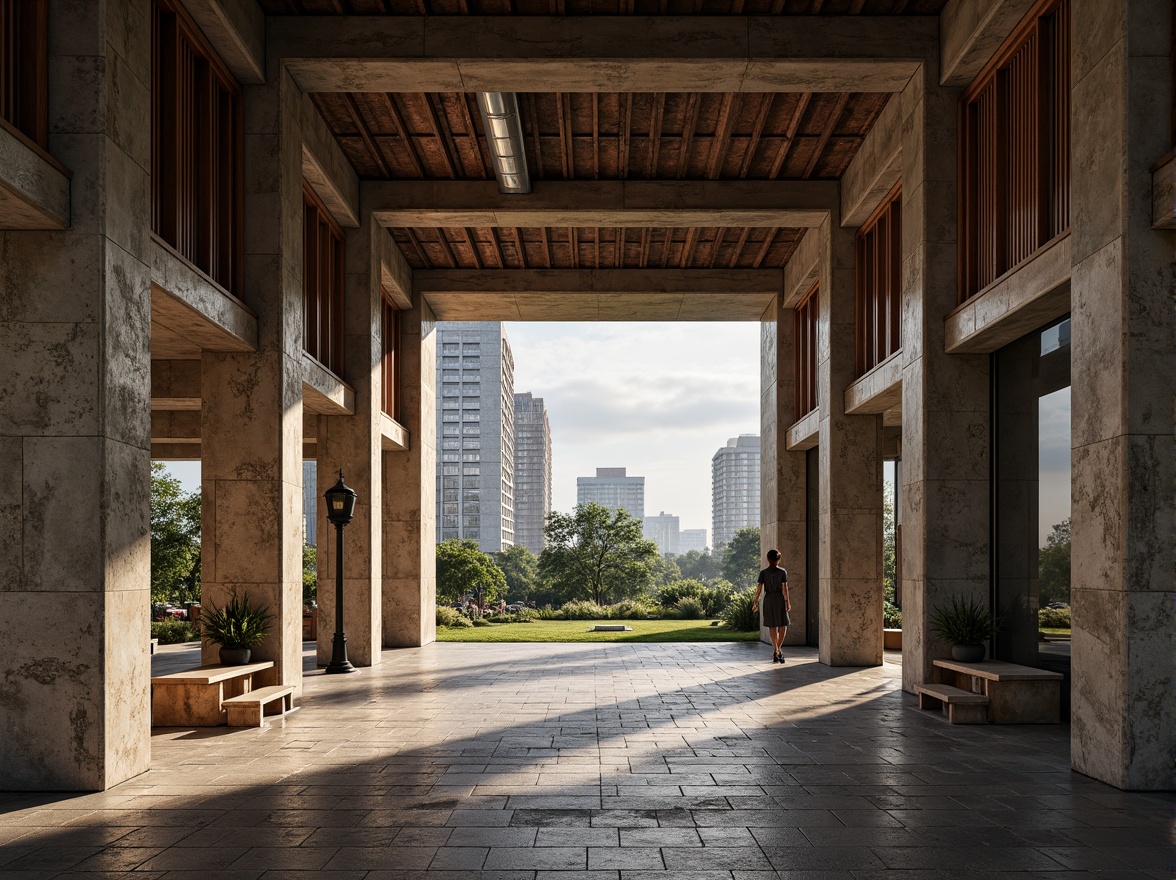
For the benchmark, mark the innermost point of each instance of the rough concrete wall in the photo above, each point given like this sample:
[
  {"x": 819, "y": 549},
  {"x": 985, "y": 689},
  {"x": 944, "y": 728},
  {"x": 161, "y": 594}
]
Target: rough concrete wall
[
  {"x": 410, "y": 491},
  {"x": 850, "y": 468},
  {"x": 251, "y": 407},
  {"x": 75, "y": 430},
  {"x": 352, "y": 443},
  {"x": 1123, "y": 298},
  {"x": 945, "y": 398},
  {"x": 783, "y": 483}
]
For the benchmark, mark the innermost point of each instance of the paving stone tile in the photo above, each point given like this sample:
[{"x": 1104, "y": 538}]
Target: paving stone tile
[
  {"x": 718, "y": 857},
  {"x": 625, "y": 858},
  {"x": 578, "y": 837},
  {"x": 538, "y": 858},
  {"x": 492, "y": 837},
  {"x": 459, "y": 858},
  {"x": 383, "y": 857}
]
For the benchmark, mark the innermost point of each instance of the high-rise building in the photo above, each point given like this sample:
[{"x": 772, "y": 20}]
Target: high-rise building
[
  {"x": 692, "y": 539},
  {"x": 310, "y": 502},
  {"x": 663, "y": 531},
  {"x": 475, "y": 434},
  {"x": 613, "y": 489},
  {"x": 735, "y": 488},
  {"x": 532, "y": 470}
]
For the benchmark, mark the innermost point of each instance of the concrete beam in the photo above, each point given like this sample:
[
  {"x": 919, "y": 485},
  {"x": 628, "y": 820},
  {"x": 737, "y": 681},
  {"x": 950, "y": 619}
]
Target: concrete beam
[
  {"x": 175, "y": 385},
  {"x": 326, "y": 168},
  {"x": 875, "y": 169},
  {"x": 192, "y": 308},
  {"x": 878, "y": 391},
  {"x": 804, "y": 433},
  {"x": 600, "y": 295},
  {"x": 800, "y": 272},
  {"x": 396, "y": 276},
  {"x": 324, "y": 393},
  {"x": 34, "y": 189},
  {"x": 175, "y": 451},
  {"x": 602, "y": 53},
  {"x": 616, "y": 203},
  {"x": 393, "y": 435},
  {"x": 236, "y": 29},
  {"x": 175, "y": 427},
  {"x": 970, "y": 32}
]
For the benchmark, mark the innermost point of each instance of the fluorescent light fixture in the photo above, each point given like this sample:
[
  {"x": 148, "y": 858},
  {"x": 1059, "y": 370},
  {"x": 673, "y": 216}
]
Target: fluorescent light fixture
[{"x": 504, "y": 134}]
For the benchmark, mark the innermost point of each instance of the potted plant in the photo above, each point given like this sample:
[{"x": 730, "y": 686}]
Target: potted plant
[
  {"x": 238, "y": 627},
  {"x": 966, "y": 625}
]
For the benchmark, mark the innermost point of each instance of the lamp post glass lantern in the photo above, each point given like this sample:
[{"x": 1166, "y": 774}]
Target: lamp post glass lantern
[{"x": 340, "y": 509}]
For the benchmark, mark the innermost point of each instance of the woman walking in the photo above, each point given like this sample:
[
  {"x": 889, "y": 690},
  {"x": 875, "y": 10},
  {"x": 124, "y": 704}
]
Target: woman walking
[{"x": 773, "y": 583}]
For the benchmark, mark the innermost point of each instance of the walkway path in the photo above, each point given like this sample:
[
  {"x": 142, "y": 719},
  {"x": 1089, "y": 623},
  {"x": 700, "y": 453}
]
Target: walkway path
[{"x": 599, "y": 762}]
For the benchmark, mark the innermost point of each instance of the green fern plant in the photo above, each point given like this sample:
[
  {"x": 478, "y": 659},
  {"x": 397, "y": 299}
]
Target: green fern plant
[
  {"x": 964, "y": 622},
  {"x": 237, "y": 624}
]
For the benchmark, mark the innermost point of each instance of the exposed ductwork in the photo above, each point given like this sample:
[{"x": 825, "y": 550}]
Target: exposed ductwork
[{"x": 504, "y": 134}]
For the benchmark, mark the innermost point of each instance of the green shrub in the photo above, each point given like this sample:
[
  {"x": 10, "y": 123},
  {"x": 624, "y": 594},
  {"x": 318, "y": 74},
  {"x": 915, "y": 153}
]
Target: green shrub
[
  {"x": 632, "y": 609},
  {"x": 715, "y": 598},
  {"x": 964, "y": 622},
  {"x": 480, "y": 621},
  {"x": 236, "y": 624},
  {"x": 582, "y": 609},
  {"x": 689, "y": 608},
  {"x": 447, "y": 616},
  {"x": 548, "y": 613},
  {"x": 738, "y": 615},
  {"x": 174, "y": 632},
  {"x": 1054, "y": 618},
  {"x": 669, "y": 594},
  {"x": 891, "y": 615}
]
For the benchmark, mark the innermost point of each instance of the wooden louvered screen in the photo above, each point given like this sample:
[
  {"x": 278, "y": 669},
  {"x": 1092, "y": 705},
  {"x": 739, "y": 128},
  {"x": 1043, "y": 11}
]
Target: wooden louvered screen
[
  {"x": 24, "y": 50},
  {"x": 879, "y": 284},
  {"x": 390, "y": 363},
  {"x": 805, "y": 348},
  {"x": 196, "y": 167},
  {"x": 1015, "y": 150},
  {"x": 322, "y": 284}
]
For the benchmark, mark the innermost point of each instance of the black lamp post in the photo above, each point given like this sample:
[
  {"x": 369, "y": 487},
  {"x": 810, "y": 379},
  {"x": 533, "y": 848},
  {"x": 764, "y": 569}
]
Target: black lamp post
[{"x": 340, "y": 509}]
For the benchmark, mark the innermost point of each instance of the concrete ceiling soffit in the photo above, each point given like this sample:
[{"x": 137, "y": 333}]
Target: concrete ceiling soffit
[
  {"x": 630, "y": 204},
  {"x": 236, "y": 30},
  {"x": 602, "y": 53}
]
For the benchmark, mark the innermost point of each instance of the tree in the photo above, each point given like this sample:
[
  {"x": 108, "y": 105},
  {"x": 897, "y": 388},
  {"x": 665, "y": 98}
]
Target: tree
[
  {"x": 461, "y": 567},
  {"x": 889, "y": 558},
  {"x": 597, "y": 554},
  {"x": 309, "y": 574},
  {"x": 175, "y": 539},
  {"x": 665, "y": 571},
  {"x": 698, "y": 565},
  {"x": 1053, "y": 566},
  {"x": 741, "y": 557},
  {"x": 520, "y": 567}
]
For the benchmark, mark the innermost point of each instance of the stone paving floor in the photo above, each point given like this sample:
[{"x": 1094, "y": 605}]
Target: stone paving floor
[{"x": 599, "y": 762}]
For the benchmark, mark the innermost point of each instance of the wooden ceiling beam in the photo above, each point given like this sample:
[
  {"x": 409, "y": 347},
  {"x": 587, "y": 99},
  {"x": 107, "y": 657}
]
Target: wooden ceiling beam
[
  {"x": 692, "y": 281},
  {"x": 602, "y": 53}
]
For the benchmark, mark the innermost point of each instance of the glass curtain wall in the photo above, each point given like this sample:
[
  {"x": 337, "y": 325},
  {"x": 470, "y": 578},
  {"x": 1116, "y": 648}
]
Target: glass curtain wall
[{"x": 1031, "y": 503}]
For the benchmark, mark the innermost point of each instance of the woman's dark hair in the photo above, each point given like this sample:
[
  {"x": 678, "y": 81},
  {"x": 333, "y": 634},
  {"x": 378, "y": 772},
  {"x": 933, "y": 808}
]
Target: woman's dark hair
[{"x": 773, "y": 555}]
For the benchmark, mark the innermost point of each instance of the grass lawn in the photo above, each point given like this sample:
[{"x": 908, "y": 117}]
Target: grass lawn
[
  {"x": 578, "y": 631},
  {"x": 1051, "y": 631}
]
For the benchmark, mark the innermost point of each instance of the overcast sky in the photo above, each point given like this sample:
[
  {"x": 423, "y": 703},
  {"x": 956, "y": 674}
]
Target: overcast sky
[{"x": 658, "y": 399}]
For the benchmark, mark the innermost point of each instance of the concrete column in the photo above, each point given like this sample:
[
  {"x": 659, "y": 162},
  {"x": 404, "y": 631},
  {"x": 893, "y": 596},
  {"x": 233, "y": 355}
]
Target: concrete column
[
  {"x": 945, "y": 398},
  {"x": 410, "y": 491},
  {"x": 353, "y": 444},
  {"x": 783, "y": 484},
  {"x": 74, "y": 427},
  {"x": 251, "y": 403},
  {"x": 1123, "y": 297},
  {"x": 850, "y": 467}
]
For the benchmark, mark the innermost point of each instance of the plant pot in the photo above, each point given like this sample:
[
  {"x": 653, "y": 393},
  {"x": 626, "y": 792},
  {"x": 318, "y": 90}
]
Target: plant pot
[
  {"x": 892, "y": 639},
  {"x": 967, "y": 653},
  {"x": 234, "y": 656}
]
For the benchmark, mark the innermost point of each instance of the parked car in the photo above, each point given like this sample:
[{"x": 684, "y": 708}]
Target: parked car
[{"x": 1057, "y": 605}]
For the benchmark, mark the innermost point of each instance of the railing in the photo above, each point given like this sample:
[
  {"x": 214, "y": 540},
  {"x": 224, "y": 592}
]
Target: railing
[
  {"x": 390, "y": 363},
  {"x": 1015, "y": 150},
  {"x": 805, "y": 348},
  {"x": 24, "y": 49},
  {"x": 879, "y": 284},
  {"x": 322, "y": 283},
  {"x": 196, "y": 166}
]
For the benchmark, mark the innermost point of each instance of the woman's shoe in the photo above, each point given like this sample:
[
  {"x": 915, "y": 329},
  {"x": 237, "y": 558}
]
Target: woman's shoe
[{"x": 776, "y": 658}]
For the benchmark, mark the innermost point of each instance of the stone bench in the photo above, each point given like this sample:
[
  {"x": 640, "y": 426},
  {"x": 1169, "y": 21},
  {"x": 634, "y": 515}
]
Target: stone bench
[
  {"x": 1016, "y": 694},
  {"x": 195, "y": 697},
  {"x": 249, "y": 710},
  {"x": 960, "y": 706}
]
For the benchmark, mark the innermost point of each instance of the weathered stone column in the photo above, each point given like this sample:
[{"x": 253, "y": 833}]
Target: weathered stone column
[
  {"x": 850, "y": 465},
  {"x": 1123, "y": 297},
  {"x": 410, "y": 491},
  {"x": 251, "y": 403},
  {"x": 353, "y": 444},
  {"x": 74, "y": 428},
  {"x": 945, "y": 398},
  {"x": 783, "y": 484}
]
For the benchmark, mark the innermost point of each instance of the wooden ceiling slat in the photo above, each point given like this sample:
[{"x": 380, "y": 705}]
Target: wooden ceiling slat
[
  {"x": 737, "y": 252},
  {"x": 620, "y": 237},
  {"x": 657, "y": 113},
  {"x": 439, "y": 119},
  {"x": 595, "y": 136},
  {"x": 416, "y": 245},
  {"x": 472, "y": 244},
  {"x": 688, "y": 124},
  {"x": 567, "y": 154},
  {"x": 826, "y": 132},
  {"x": 790, "y": 138},
  {"x": 718, "y": 150},
  {"x": 573, "y": 247},
  {"x": 643, "y": 256},
  {"x": 435, "y": 127},
  {"x": 547, "y": 248},
  {"x": 623, "y": 138},
  {"x": 365, "y": 134},
  {"x": 533, "y": 121},
  {"x": 718, "y": 246},
  {"x": 410, "y": 149},
  {"x": 757, "y": 131},
  {"x": 477, "y": 144},
  {"x": 522, "y": 246},
  {"x": 450, "y": 255},
  {"x": 687, "y": 258},
  {"x": 769, "y": 237},
  {"x": 497, "y": 248}
]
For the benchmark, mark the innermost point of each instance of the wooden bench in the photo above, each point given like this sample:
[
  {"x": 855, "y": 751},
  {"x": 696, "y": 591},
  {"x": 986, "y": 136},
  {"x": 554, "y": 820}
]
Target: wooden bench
[
  {"x": 249, "y": 710},
  {"x": 1016, "y": 694},
  {"x": 960, "y": 707},
  {"x": 195, "y": 697}
]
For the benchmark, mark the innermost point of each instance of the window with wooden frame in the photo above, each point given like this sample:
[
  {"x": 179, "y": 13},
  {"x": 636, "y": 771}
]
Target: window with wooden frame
[
  {"x": 196, "y": 165},
  {"x": 879, "y": 284},
  {"x": 322, "y": 283},
  {"x": 389, "y": 362},
  {"x": 1015, "y": 150},
  {"x": 24, "y": 52},
  {"x": 805, "y": 352}
]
